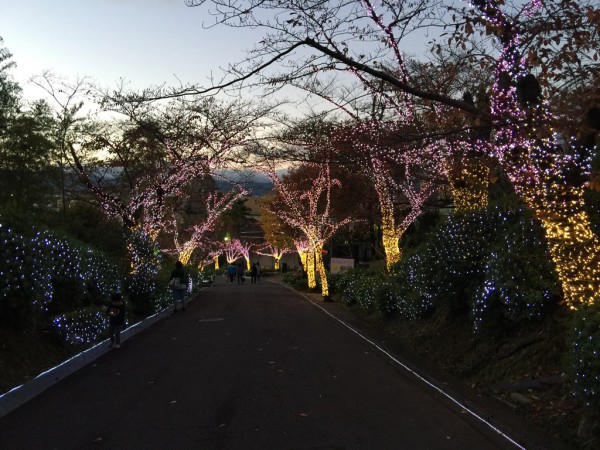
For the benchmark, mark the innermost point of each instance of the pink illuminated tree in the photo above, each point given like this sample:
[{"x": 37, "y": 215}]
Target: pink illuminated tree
[
  {"x": 232, "y": 251},
  {"x": 404, "y": 178},
  {"x": 530, "y": 48},
  {"x": 244, "y": 249},
  {"x": 306, "y": 207},
  {"x": 215, "y": 204}
]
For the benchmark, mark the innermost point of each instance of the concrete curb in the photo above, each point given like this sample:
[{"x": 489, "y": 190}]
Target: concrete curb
[{"x": 20, "y": 395}]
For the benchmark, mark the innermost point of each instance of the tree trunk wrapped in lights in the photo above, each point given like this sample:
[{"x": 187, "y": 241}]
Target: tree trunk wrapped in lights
[
  {"x": 310, "y": 269},
  {"x": 416, "y": 170},
  {"x": 303, "y": 249},
  {"x": 469, "y": 184},
  {"x": 320, "y": 267},
  {"x": 308, "y": 209},
  {"x": 546, "y": 172},
  {"x": 548, "y": 188}
]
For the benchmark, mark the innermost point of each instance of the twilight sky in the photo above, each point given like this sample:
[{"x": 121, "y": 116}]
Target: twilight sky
[{"x": 143, "y": 41}]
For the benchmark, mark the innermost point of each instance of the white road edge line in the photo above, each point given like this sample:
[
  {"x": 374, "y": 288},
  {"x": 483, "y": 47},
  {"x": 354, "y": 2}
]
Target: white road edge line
[{"x": 412, "y": 371}]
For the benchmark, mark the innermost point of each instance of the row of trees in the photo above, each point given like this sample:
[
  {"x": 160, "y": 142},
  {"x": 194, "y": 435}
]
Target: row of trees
[
  {"x": 519, "y": 67},
  {"x": 503, "y": 89}
]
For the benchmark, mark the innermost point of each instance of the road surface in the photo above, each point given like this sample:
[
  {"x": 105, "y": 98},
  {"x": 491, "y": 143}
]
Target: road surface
[{"x": 253, "y": 366}]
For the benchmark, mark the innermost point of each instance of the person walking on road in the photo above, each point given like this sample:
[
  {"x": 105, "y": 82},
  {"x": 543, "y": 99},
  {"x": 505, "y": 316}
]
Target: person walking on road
[
  {"x": 240, "y": 273},
  {"x": 257, "y": 272},
  {"x": 116, "y": 317},
  {"x": 231, "y": 271},
  {"x": 253, "y": 274},
  {"x": 178, "y": 284}
]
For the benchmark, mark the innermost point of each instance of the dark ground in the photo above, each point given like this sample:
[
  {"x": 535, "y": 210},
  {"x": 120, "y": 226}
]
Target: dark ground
[
  {"x": 519, "y": 367},
  {"x": 259, "y": 367}
]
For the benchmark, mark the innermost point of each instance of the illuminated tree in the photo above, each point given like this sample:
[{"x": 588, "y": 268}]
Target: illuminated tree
[
  {"x": 210, "y": 256},
  {"x": 243, "y": 249},
  {"x": 307, "y": 207},
  {"x": 215, "y": 204},
  {"x": 232, "y": 251},
  {"x": 277, "y": 234},
  {"x": 274, "y": 252},
  {"x": 537, "y": 45},
  {"x": 546, "y": 169},
  {"x": 401, "y": 196}
]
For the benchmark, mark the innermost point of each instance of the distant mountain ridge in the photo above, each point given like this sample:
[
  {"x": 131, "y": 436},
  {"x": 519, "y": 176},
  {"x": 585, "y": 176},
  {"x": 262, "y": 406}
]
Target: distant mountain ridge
[{"x": 257, "y": 183}]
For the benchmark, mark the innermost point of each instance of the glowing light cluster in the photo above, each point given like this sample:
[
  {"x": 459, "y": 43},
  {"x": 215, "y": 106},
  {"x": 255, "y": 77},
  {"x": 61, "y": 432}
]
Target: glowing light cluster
[
  {"x": 400, "y": 202},
  {"x": 81, "y": 327},
  {"x": 308, "y": 209},
  {"x": 215, "y": 204},
  {"x": 274, "y": 252},
  {"x": 469, "y": 184},
  {"x": 303, "y": 249},
  {"x": 541, "y": 167},
  {"x": 31, "y": 266},
  {"x": 146, "y": 259},
  {"x": 31, "y": 270}
]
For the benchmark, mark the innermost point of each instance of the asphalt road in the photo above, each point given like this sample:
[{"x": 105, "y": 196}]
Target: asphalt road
[{"x": 245, "y": 367}]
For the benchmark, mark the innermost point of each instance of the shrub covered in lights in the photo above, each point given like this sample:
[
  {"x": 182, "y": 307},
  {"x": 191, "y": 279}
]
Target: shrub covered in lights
[
  {"x": 43, "y": 275},
  {"x": 142, "y": 286},
  {"x": 519, "y": 278},
  {"x": 200, "y": 278},
  {"x": 295, "y": 280},
  {"x": 585, "y": 359},
  {"x": 493, "y": 264},
  {"x": 450, "y": 265},
  {"x": 81, "y": 327},
  {"x": 377, "y": 291},
  {"x": 359, "y": 287}
]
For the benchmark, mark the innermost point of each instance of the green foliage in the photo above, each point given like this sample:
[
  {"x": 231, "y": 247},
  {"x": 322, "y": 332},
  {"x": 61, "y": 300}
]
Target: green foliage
[
  {"x": 585, "y": 358},
  {"x": 295, "y": 280}
]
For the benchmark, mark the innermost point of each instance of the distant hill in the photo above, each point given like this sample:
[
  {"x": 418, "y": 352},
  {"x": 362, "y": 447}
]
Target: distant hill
[{"x": 255, "y": 182}]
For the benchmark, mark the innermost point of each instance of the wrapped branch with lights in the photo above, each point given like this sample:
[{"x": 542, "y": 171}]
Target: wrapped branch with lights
[
  {"x": 215, "y": 204},
  {"x": 274, "y": 252},
  {"x": 232, "y": 251},
  {"x": 402, "y": 192},
  {"x": 307, "y": 208}
]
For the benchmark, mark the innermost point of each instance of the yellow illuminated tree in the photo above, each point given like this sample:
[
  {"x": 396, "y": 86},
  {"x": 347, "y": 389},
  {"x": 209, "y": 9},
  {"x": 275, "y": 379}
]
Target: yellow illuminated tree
[{"x": 306, "y": 206}]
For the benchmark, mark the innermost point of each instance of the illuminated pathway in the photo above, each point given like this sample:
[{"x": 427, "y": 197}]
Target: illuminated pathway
[{"x": 254, "y": 367}]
